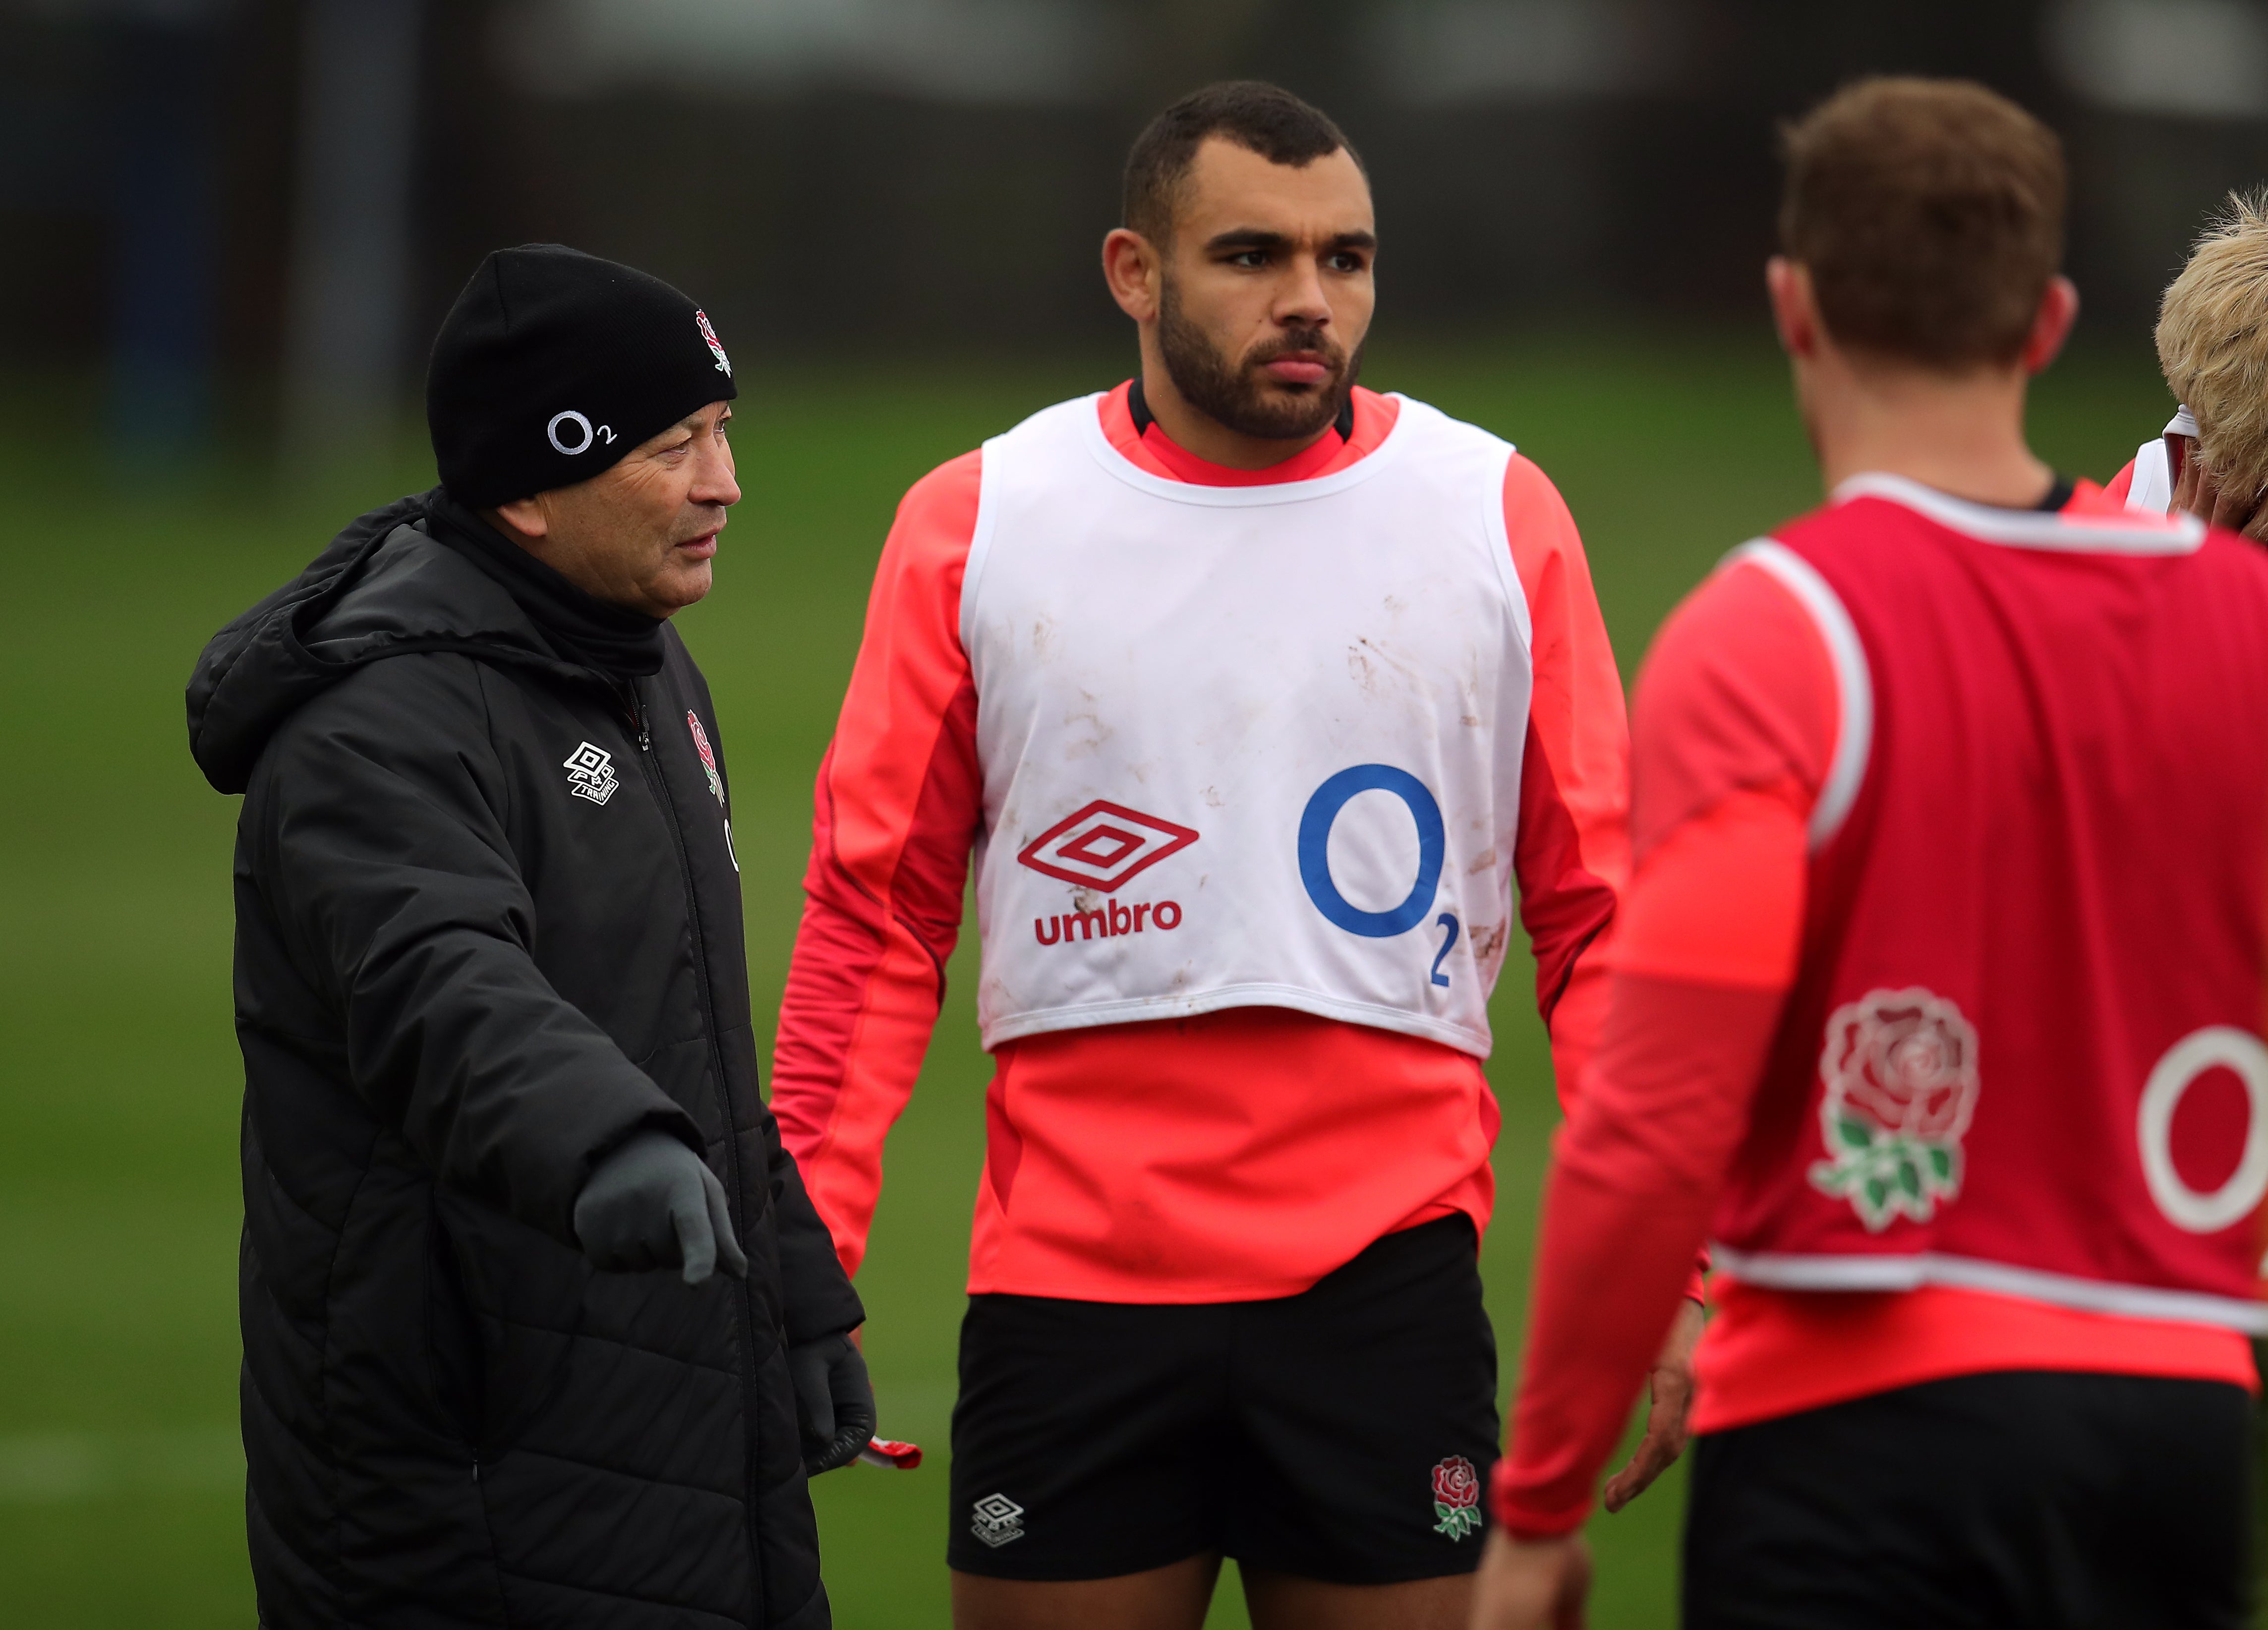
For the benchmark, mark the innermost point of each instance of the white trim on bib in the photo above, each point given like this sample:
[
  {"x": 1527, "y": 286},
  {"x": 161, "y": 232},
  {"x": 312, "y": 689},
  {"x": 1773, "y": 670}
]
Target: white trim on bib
[{"x": 1792, "y": 1271}]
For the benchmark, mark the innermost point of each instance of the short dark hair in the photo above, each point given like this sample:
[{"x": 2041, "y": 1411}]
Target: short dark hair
[
  {"x": 1258, "y": 117},
  {"x": 1930, "y": 214}
]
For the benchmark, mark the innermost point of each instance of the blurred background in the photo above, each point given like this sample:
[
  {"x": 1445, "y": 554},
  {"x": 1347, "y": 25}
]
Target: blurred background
[
  {"x": 248, "y": 215},
  {"x": 228, "y": 229}
]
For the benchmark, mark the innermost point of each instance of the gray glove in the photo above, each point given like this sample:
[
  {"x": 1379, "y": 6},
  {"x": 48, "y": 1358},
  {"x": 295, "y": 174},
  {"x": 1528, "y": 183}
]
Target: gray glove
[
  {"x": 835, "y": 1399},
  {"x": 653, "y": 1202}
]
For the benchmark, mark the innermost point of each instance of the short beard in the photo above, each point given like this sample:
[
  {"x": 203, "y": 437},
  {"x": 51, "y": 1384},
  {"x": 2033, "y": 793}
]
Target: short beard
[{"x": 1235, "y": 394}]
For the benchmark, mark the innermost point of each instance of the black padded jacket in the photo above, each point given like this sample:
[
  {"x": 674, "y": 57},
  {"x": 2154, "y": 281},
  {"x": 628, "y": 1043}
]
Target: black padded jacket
[{"x": 488, "y": 927}]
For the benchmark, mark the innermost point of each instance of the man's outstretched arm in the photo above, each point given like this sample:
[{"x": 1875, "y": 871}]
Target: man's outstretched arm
[{"x": 383, "y": 857}]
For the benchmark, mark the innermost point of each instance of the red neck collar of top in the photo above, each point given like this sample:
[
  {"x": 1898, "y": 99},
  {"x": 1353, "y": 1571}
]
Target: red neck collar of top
[{"x": 1154, "y": 451}]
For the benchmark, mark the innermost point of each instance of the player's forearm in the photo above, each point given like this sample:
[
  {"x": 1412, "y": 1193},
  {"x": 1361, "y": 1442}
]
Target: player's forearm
[
  {"x": 1626, "y": 1211},
  {"x": 1571, "y": 860},
  {"x": 835, "y": 958},
  {"x": 1588, "y": 1353},
  {"x": 1572, "y": 856},
  {"x": 867, "y": 976},
  {"x": 1577, "y": 1020},
  {"x": 862, "y": 1001},
  {"x": 1692, "y": 1012}
]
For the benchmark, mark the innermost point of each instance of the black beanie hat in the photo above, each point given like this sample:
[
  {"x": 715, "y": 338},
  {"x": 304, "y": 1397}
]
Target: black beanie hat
[{"x": 553, "y": 363}]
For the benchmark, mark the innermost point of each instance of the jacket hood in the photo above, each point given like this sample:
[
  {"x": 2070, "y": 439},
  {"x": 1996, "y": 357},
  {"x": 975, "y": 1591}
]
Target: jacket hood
[{"x": 383, "y": 588}]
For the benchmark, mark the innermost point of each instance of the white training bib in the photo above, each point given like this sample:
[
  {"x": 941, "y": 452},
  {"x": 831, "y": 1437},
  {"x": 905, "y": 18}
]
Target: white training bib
[{"x": 1245, "y": 746}]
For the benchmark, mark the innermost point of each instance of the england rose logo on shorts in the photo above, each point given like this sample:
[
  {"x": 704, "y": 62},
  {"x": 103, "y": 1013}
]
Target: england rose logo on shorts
[
  {"x": 1901, "y": 1072},
  {"x": 1456, "y": 1498}
]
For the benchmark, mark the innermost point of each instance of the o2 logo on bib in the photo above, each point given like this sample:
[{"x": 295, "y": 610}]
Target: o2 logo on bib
[
  {"x": 2216, "y": 1047},
  {"x": 1322, "y": 813}
]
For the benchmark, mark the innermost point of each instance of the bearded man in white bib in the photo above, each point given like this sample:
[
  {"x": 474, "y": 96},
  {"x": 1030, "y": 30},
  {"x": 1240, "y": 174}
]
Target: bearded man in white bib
[{"x": 1261, "y": 702}]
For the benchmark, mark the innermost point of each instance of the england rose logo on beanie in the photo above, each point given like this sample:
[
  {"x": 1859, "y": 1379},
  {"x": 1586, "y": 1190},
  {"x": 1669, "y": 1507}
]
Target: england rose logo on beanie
[
  {"x": 716, "y": 347},
  {"x": 1900, "y": 1068},
  {"x": 1456, "y": 1498}
]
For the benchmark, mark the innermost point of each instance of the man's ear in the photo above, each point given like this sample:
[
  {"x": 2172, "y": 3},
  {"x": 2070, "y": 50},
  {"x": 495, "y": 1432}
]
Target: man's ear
[
  {"x": 1795, "y": 313},
  {"x": 2052, "y": 324},
  {"x": 523, "y": 516},
  {"x": 1132, "y": 268}
]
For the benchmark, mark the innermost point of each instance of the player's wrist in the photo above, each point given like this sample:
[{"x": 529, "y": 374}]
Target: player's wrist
[{"x": 1518, "y": 1511}]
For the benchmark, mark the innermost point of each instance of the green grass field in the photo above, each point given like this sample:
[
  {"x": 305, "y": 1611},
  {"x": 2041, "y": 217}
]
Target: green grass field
[{"x": 119, "y": 1478}]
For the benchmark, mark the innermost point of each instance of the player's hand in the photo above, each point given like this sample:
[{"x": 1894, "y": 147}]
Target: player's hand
[
  {"x": 2191, "y": 480},
  {"x": 2199, "y": 494},
  {"x": 1531, "y": 1585},
  {"x": 1671, "y": 1388}
]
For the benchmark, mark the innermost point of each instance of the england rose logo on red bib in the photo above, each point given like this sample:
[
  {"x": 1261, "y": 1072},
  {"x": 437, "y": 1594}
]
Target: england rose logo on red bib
[
  {"x": 1456, "y": 1497},
  {"x": 1900, "y": 1068}
]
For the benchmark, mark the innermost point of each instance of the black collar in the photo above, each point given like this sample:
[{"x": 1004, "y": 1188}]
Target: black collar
[
  {"x": 611, "y": 639},
  {"x": 1138, "y": 406}
]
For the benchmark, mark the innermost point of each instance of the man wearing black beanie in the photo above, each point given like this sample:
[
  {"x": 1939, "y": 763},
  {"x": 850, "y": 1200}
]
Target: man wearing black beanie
[{"x": 500, "y": 1120}]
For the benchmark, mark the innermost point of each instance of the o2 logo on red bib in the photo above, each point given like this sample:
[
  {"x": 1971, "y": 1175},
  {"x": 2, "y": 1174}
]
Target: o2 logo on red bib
[
  {"x": 2216, "y": 1047},
  {"x": 1322, "y": 815}
]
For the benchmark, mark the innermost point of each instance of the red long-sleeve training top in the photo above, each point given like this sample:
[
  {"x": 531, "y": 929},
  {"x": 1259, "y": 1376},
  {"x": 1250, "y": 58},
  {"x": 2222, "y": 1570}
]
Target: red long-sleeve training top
[
  {"x": 1240, "y": 1155},
  {"x": 1734, "y": 729}
]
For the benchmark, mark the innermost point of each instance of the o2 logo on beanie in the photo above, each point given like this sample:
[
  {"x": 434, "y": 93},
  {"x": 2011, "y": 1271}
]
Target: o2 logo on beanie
[
  {"x": 571, "y": 424},
  {"x": 716, "y": 349}
]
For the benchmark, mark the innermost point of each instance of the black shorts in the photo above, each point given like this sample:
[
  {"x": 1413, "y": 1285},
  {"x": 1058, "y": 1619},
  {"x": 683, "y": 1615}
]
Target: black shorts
[
  {"x": 2016, "y": 1500},
  {"x": 1304, "y": 1433}
]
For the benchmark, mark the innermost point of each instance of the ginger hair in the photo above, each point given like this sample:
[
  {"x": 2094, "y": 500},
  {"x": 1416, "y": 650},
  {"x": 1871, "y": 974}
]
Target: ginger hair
[{"x": 1930, "y": 214}]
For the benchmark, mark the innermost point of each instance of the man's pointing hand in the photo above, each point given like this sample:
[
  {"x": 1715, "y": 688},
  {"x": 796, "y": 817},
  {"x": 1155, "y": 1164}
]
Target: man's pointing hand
[{"x": 653, "y": 1202}]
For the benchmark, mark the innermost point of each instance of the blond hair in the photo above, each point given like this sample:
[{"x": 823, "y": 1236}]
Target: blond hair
[{"x": 2213, "y": 342}]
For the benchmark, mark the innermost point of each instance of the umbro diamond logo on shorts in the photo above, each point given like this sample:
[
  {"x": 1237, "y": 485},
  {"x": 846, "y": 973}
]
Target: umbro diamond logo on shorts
[
  {"x": 998, "y": 1520},
  {"x": 1104, "y": 845},
  {"x": 591, "y": 773}
]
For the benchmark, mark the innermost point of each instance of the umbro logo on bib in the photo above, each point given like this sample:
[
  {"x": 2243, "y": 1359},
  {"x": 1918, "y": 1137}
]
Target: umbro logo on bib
[
  {"x": 1100, "y": 848},
  {"x": 1104, "y": 845}
]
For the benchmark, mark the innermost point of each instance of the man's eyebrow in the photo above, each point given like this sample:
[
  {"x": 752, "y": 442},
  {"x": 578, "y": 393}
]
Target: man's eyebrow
[
  {"x": 1242, "y": 238},
  {"x": 1247, "y": 238}
]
